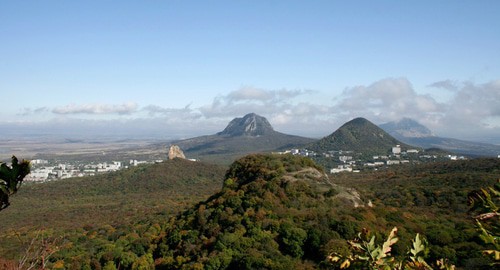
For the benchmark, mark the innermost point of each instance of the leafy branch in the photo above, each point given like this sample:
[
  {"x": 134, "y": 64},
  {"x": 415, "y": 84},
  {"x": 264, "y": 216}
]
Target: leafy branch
[
  {"x": 367, "y": 254},
  {"x": 485, "y": 201},
  {"x": 11, "y": 178}
]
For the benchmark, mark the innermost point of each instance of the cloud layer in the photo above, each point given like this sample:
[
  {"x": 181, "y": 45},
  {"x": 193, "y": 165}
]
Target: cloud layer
[
  {"x": 388, "y": 100},
  {"x": 473, "y": 112},
  {"x": 125, "y": 108}
]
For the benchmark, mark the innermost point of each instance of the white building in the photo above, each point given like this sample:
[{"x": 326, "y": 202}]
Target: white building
[
  {"x": 39, "y": 161},
  {"x": 393, "y": 162},
  {"x": 345, "y": 158},
  {"x": 396, "y": 150},
  {"x": 341, "y": 168},
  {"x": 38, "y": 175}
]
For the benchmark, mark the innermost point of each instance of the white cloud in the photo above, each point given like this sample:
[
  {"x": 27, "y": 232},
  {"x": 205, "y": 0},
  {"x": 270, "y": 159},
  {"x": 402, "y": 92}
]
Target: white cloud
[
  {"x": 261, "y": 95},
  {"x": 287, "y": 110},
  {"x": 471, "y": 112},
  {"x": 186, "y": 113},
  {"x": 125, "y": 108},
  {"x": 249, "y": 99},
  {"x": 387, "y": 100},
  {"x": 475, "y": 108}
]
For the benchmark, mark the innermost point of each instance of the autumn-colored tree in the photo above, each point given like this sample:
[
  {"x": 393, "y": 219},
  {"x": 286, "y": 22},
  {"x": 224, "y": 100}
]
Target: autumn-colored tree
[{"x": 11, "y": 178}]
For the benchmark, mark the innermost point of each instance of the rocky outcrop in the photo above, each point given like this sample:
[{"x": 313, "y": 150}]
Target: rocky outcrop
[{"x": 175, "y": 152}]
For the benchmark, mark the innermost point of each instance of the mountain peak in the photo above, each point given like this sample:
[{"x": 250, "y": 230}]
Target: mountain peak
[
  {"x": 359, "y": 135},
  {"x": 249, "y": 125},
  {"x": 407, "y": 127},
  {"x": 359, "y": 120}
]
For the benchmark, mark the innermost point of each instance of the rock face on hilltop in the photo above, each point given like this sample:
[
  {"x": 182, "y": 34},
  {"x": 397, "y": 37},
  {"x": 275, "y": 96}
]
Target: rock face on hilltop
[
  {"x": 175, "y": 152},
  {"x": 249, "y": 125},
  {"x": 359, "y": 135}
]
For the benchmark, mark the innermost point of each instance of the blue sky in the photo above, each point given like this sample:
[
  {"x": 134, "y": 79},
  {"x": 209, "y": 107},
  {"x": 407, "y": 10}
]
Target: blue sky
[{"x": 183, "y": 68}]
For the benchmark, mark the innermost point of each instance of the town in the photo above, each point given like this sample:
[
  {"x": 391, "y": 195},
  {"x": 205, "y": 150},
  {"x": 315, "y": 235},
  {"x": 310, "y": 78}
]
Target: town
[
  {"x": 340, "y": 161},
  {"x": 44, "y": 170},
  {"x": 350, "y": 161}
]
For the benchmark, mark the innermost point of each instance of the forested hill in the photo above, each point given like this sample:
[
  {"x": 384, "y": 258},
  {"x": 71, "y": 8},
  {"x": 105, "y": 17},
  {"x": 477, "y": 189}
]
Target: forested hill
[
  {"x": 359, "y": 135},
  {"x": 282, "y": 212},
  {"x": 268, "y": 216},
  {"x": 272, "y": 212}
]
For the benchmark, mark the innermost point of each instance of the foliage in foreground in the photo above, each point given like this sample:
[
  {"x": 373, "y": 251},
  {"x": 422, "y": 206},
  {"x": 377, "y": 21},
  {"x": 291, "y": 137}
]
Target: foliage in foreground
[
  {"x": 11, "y": 178},
  {"x": 367, "y": 254},
  {"x": 485, "y": 203}
]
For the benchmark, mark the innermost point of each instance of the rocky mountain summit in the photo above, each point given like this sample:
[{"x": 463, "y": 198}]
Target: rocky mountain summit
[
  {"x": 249, "y": 125},
  {"x": 407, "y": 127}
]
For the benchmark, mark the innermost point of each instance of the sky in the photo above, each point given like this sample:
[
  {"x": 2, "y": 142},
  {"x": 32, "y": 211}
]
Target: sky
[{"x": 178, "y": 69}]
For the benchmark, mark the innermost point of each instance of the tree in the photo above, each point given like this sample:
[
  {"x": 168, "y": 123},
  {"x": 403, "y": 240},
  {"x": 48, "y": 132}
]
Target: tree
[{"x": 11, "y": 178}]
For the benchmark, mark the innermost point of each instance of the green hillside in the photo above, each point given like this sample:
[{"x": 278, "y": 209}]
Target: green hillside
[
  {"x": 272, "y": 212},
  {"x": 266, "y": 219},
  {"x": 119, "y": 198},
  {"x": 224, "y": 150}
]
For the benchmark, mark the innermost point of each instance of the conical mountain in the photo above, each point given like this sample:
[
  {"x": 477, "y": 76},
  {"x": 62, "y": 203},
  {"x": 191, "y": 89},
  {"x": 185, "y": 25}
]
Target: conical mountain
[
  {"x": 359, "y": 135},
  {"x": 251, "y": 133}
]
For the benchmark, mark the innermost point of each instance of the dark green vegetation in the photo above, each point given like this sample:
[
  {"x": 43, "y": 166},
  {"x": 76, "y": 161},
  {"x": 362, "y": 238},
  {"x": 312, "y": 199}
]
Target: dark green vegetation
[
  {"x": 263, "y": 220},
  {"x": 271, "y": 212},
  {"x": 11, "y": 178},
  {"x": 361, "y": 136},
  {"x": 259, "y": 220},
  {"x": 250, "y": 134},
  {"x": 118, "y": 199},
  {"x": 431, "y": 199}
]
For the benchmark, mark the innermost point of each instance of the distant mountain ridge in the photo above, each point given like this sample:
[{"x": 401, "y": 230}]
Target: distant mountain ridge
[
  {"x": 410, "y": 131},
  {"x": 251, "y": 133},
  {"x": 408, "y": 128},
  {"x": 359, "y": 135},
  {"x": 254, "y": 134}
]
